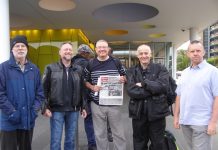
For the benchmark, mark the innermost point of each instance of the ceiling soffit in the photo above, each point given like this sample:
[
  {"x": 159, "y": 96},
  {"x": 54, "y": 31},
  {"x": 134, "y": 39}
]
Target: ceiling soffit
[{"x": 125, "y": 12}]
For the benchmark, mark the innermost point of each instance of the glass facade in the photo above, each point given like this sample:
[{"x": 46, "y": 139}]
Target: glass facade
[
  {"x": 44, "y": 47},
  {"x": 214, "y": 40},
  {"x": 211, "y": 40},
  {"x": 162, "y": 52},
  {"x": 206, "y": 42}
]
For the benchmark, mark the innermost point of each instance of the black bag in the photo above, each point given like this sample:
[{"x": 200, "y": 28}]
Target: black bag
[
  {"x": 171, "y": 93},
  {"x": 170, "y": 141}
]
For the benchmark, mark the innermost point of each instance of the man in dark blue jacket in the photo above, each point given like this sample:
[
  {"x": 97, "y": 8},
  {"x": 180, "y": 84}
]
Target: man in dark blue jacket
[
  {"x": 82, "y": 59},
  {"x": 21, "y": 95}
]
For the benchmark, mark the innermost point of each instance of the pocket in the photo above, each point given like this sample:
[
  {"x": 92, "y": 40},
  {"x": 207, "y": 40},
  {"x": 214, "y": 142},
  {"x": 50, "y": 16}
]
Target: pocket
[
  {"x": 15, "y": 118},
  {"x": 158, "y": 108},
  {"x": 55, "y": 103},
  {"x": 33, "y": 117},
  {"x": 135, "y": 108}
]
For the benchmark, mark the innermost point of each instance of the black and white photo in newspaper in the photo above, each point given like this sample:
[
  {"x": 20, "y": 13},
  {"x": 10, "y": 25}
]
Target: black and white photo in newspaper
[{"x": 111, "y": 92}]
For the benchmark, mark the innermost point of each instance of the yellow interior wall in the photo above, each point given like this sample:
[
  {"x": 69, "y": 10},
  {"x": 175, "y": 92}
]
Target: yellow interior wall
[{"x": 44, "y": 44}]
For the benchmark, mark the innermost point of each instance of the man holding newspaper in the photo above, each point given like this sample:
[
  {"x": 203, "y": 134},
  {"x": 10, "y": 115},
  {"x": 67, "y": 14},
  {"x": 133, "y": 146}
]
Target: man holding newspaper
[{"x": 104, "y": 76}]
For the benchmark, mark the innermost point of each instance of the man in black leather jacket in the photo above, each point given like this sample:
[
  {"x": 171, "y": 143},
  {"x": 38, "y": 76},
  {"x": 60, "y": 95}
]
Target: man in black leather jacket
[
  {"x": 147, "y": 86},
  {"x": 63, "y": 85}
]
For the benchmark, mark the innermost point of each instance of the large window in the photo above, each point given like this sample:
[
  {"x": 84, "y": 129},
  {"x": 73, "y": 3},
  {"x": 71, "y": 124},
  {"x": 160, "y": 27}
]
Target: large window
[{"x": 162, "y": 52}]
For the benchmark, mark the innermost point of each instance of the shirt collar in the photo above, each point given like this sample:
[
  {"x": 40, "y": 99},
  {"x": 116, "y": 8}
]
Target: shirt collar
[
  {"x": 199, "y": 66},
  {"x": 18, "y": 63}
]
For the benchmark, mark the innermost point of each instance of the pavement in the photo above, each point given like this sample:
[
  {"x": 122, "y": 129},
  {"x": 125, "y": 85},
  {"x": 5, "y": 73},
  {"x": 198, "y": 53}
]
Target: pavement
[{"x": 41, "y": 138}]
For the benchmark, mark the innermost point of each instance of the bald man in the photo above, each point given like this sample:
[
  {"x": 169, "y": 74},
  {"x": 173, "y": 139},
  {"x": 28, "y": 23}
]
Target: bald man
[{"x": 146, "y": 85}]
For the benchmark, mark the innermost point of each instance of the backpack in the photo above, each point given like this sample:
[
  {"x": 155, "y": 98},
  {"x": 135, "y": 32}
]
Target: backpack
[
  {"x": 171, "y": 93},
  {"x": 170, "y": 141}
]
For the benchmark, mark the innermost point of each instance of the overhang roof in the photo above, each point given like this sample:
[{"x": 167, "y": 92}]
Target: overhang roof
[{"x": 174, "y": 18}]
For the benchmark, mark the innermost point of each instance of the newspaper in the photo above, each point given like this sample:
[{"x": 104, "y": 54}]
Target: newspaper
[{"x": 112, "y": 90}]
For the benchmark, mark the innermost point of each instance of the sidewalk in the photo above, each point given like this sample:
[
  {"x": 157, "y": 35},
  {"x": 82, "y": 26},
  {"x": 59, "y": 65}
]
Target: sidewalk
[{"x": 41, "y": 139}]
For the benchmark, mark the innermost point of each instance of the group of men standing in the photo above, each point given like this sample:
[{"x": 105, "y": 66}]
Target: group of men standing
[{"x": 68, "y": 88}]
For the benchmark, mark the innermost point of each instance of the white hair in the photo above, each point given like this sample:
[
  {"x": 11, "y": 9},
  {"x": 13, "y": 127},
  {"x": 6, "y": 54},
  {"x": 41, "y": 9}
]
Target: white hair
[{"x": 143, "y": 47}]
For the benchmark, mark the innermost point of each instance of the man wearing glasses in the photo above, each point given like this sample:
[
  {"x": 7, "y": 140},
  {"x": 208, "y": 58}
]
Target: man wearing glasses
[{"x": 105, "y": 65}]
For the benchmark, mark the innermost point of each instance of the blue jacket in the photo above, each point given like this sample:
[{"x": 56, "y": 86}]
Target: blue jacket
[{"x": 21, "y": 95}]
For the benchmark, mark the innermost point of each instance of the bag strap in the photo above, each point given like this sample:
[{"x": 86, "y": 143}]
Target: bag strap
[{"x": 118, "y": 64}]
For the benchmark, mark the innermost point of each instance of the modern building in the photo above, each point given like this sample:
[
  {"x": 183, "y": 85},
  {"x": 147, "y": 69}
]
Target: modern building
[
  {"x": 206, "y": 42},
  {"x": 164, "y": 25},
  {"x": 211, "y": 40}
]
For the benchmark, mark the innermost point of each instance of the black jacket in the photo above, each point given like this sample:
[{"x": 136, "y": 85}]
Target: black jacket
[
  {"x": 79, "y": 60},
  {"x": 54, "y": 90},
  {"x": 154, "y": 80}
]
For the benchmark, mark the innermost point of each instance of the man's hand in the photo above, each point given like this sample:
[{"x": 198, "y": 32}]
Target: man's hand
[
  {"x": 139, "y": 84},
  {"x": 47, "y": 113},
  {"x": 176, "y": 122},
  {"x": 211, "y": 130},
  {"x": 84, "y": 113},
  {"x": 96, "y": 88},
  {"x": 122, "y": 79}
]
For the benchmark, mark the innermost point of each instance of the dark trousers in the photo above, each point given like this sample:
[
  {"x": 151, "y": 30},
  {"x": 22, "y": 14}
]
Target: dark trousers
[
  {"x": 89, "y": 130},
  {"x": 144, "y": 130},
  {"x": 16, "y": 140},
  {"x": 88, "y": 123}
]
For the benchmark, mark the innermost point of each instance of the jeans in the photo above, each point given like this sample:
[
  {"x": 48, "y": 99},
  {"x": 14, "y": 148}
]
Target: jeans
[
  {"x": 57, "y": 121},
  {"x": 89, "y": 128}
]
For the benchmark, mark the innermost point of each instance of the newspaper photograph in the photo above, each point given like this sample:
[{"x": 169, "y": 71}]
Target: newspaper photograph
[{"x": 112, "y": 90}]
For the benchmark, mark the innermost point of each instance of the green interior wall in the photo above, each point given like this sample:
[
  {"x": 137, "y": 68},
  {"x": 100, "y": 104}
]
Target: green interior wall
[{"x": 44, "y": 44}]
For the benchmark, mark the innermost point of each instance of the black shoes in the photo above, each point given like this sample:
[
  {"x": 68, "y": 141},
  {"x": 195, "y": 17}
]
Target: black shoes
[{"x": 92, "y": 148}]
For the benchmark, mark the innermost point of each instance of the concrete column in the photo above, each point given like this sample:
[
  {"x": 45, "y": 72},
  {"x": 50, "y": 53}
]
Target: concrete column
[
  {"x": 193, "y": 34},
  {"x": 130, "y": 54},
  {"x": 4, "y": 30},
  {"x": 174, "y": 61}
]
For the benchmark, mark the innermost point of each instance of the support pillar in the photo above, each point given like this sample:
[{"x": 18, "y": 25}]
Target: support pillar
[
  {"x": 193, "y": 34},
  {"x": 4, "y": 30}
]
